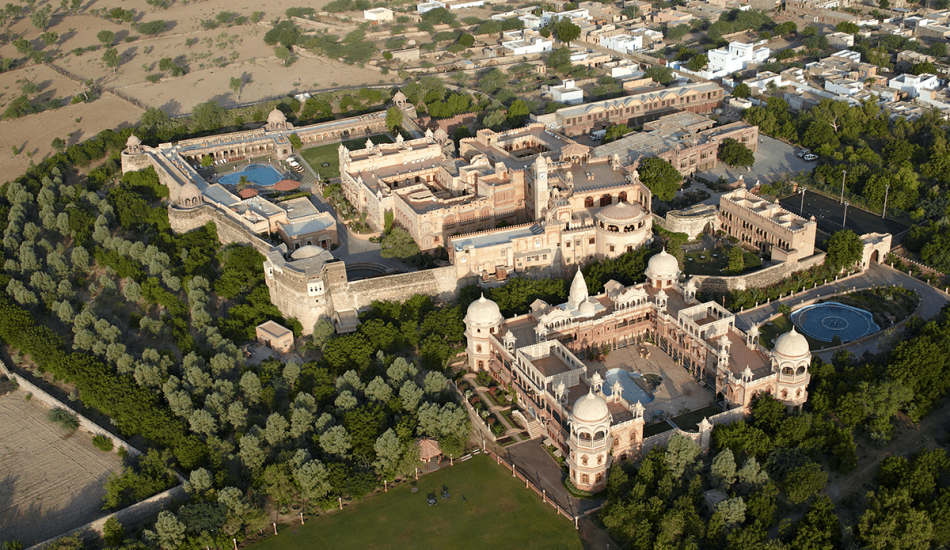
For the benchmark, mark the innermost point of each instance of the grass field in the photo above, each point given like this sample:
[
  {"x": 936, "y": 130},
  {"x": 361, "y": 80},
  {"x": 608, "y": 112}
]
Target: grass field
[
  {"x": 781, "y": 325},
  {"x": 497, "y": 512},
  {"x": 329, "y": 154}
]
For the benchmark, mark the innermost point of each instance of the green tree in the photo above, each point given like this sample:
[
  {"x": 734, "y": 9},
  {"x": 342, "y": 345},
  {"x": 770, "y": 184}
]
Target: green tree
[
  {"x": 697, "y": 62},
  {"x": 323, "y": 330},
  {"x": 660, "y": 75},
  {"x": 723, "y": 469},
  {"x": 111, "y": 59},
  {"x": 660, "y": 177},
  {"x": 566, "y": 31},
  {"x": 735, "y": 153},
  {"x": 113, "y": 532},
  {"x": 169, "y": 533},
  {"x": 295, "y": 141},
  {"x": 518, "y": 113},
  {"x": 398, "y": 244},
  {"x": 208, "y": 115},
  {"x": 742, "y": 90},
  {"x": 236, "y": 84},
  {"x": 844, "y": 249},
  {"x": 40, "y": 18},
  {"x": 106, "y": 37},
  {"x": 49, "y": 38},
  {"x": 284, "y": 54},
  {"x": 394, "y": 119},
  {"x": 58, "y": 144},
  {"x": 803, "y": 482}
]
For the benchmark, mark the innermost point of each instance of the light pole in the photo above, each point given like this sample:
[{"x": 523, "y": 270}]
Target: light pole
[
  {"x": 844, "y": 223},
  {"x": 886, "y": 189},
  {"x": 802, "y": 209},
  {"x": 843, "y": 176}
]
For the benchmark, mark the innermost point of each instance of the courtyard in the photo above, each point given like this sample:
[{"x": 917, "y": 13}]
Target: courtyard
[
  {"x": 486, "y": 508},
  {"x": 51, "y": 480},
  {"x": 678, "y": 392},
  {"x": 329, "y": 155}
]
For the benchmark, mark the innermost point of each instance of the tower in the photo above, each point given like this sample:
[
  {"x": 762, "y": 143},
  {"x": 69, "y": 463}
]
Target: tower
[
  {"x": 482, "y": 320},
  {"x": 540, "y": 199},
  {"x": 590, "y": 442},
  {"x": 579, "y": 292},
  {"x": 791, "y": 358}
]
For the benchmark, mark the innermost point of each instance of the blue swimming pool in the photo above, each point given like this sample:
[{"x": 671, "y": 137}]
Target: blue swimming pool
[
  {"x": 632, "y": 392},
  {"x": 260, "y": 174},
  {"x": 825, "y": 321}
]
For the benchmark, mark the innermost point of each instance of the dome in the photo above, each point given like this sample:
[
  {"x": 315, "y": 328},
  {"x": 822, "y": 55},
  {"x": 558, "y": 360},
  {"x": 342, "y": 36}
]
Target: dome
[
  {"x": 307, "y": 251},
  {"x": 189, "y": 191},
  {"x": 132, "y": 141},
  {"x": 587, "y": 308},
  {"x": 590, "y": 408},
  {"x": 620, "y": 213},
  {"x": 440, "y": 135},
  {"x": 483, "y": 312},
  {"x": 791, "y": 344},
  {"x": 663, "y": 266},
  {"x": 276, "y": 117}
]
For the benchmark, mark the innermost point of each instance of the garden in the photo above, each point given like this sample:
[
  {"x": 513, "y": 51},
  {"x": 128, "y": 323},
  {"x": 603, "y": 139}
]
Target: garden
[
  {"x": 499, "y": 422},
  {"x": 325, "y": 159},
  {"x": 487, "y": 508},
  {"x": 716, "y": 262}
]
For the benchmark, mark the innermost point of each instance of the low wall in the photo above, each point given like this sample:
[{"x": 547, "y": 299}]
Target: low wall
[
  {"x": 440, "y": 283},
  {"x": 757, "y": 279},
  {"x": 660, "y": 440},
  {"x": 183, "y": 220}
]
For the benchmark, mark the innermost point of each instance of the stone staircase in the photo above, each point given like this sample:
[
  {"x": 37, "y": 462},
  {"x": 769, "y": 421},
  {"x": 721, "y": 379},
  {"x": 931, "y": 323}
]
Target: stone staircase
[{"x": 535, "y": 430}]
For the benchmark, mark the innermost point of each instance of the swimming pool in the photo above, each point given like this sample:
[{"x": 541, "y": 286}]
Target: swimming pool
[
  {"x": 632, "y": 392},
  {"x": 825, "y": 321},
  {"x": 260, "y": 174}
]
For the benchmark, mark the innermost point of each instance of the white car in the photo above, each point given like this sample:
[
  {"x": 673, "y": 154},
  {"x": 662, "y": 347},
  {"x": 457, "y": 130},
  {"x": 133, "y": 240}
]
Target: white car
[{"x": 810, "y": 157}]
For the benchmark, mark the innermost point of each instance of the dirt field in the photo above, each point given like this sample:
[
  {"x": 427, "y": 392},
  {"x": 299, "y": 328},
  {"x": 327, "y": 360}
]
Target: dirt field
[
  {"x": 50, "y": 84},
  {"x": 74, "y": 123},
  {"x": 50, "y": 482}
]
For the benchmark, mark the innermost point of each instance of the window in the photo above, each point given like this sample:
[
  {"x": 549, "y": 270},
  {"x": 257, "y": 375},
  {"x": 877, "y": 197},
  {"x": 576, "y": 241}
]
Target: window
[
  {"x": 478, "y": 348},
  {"x": 585, "y": 478},
  {"x": 589, "y": 202},
  {"x": 611, "y": 248},
  {"x": 591, "y": 240}
]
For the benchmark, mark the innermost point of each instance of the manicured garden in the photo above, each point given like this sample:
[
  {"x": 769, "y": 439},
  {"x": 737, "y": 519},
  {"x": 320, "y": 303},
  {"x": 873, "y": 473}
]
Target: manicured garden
[
  {"x": 716, "y": 262},
  {"x": 329, "y": 154},
  {"x": 487, "y": 508},
  {"x": 771, "y": 330}
]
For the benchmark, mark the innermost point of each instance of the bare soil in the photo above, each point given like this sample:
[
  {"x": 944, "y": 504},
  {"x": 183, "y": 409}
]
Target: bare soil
[{"x": 50, "y": 481}]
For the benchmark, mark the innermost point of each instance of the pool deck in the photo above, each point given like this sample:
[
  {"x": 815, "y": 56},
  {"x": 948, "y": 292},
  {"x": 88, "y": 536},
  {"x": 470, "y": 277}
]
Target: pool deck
[{"x": 224, "y": 179}]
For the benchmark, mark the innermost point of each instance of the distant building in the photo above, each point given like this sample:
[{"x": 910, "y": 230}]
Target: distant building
[
  {"x": 736, "y": 57},
  {"x": 767, "y": 226},
  {"x": 525, "y": 42},
  {"x": 641, "y": 107},
  {"x": 843, "y": 40},
  {"x": 429, "y": 6},
  {"x": 567, "y": 93},
  {"x": 623, "y": 43},
  {"x": 378, "y": 14},
  {"x": 915, "y": 85}
]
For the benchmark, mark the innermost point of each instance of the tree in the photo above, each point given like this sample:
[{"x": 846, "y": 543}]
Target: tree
[
  {"x": 697, "y": 62},
  {"x": 394, "y": 119},
  {"x": 111, "y": 59},
  {"x": 113, "y": 532},
  {"x": 398, "y": 244},
  {"x": 295, "y": 141},
  {"x": 660, "y": 75},
  {"x": 566, "y": 31},
  {"x": 735, "y": 153},
  {"x": 884, "y": 4},
  {"x": 284, "y": 54},
  {"x": 236, "y": 85},
  {"x": 336, "y": 441},
  {"x": 169, "y": 533},
  {"x": 732, "y": 510},
  {"x": 844, "y": 249},
  {"x": 742, "y": 90},
  {"x": 313, "y": 480},
  {"x": 723, "y": 469},
  {"x": 208, "y": 115},
  {"x": 49, "y": 38},
  {"x": 804, "y": 482},
  {"x": 660, "y": 177},
  {"x": 518, "y": 113},
  {"x": 58, "y": 144},
  {"x": 40, "y": 18},
  {"x": 323, "y": 330},
  {"x": 681, "y": 454},
  {"x": 388, "y": 452},
  {"x": 106, "y": 37}
]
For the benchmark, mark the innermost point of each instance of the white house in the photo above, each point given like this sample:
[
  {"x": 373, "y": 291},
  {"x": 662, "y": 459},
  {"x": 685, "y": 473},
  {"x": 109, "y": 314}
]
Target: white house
[
  {"x": 429, "y": 6},
  {"x": 843, "y": 86},
  {"x": 623, "y": 43},
  {"x": 567, "y": 93},
  {"x": 762, "y": 80},
  {"x": 464, "y": 5},
  {"x": 577, "y": 16},
  {"x": 378, "y": 14},
  {"x": 915, "y": 85},
  {"x": 736, "y": 57},
  {"x": 526, "y": 43}
]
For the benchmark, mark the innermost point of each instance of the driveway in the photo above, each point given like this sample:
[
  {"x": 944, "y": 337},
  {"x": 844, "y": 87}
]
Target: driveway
[
  {"x": 931, "y": 301},
  {"x": 537, "y": 465},
  {"x": 774, "y": 160}
]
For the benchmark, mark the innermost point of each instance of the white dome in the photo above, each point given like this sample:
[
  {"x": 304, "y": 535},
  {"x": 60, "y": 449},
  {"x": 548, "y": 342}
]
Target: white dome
[
  {"x": 620, "y": 213},
  {"x": 132, "y": 141},
  {"x": 590, "y": 408},
  {"x": 663, "y": 266},
  {"x": 587, "y": 308},
  {"x": 483, "y": 312},
  {"x": 791, "y": 344},
  {"x": 276, "y": 117},
  {"x": 308, "y": 251},
  {"x": 597, "y": 378},
  {"x": 189, "y": 191}
]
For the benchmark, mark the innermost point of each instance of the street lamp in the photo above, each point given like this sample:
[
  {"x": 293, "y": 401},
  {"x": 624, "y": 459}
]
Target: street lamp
[
  {"x": 843, "y": 175},
  {"x": 845, "y": 222},
  {"x": 802, "y": 209},
  {"x": 886, "y": 189}
]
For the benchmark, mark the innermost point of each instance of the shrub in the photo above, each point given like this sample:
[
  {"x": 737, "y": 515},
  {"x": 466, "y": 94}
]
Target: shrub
[
  {"x": 64, "y": 418},
  {"x": 102, "y": 443}
]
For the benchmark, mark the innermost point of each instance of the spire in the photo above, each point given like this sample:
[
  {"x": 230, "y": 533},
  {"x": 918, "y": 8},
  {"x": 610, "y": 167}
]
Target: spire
[{"x": 579, "y": 293}]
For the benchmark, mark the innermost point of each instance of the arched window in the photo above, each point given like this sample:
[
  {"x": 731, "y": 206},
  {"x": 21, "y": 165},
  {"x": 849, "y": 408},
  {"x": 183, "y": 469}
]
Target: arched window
[
  {"x": 589, "y": 202},
  {"x": 585, "y": 478},
  {"x": 622, "y": 197},
  {"x": 478, "y": 348},
  {"x": 599, "y": 478},
  {"x": 584, "y": 460}
]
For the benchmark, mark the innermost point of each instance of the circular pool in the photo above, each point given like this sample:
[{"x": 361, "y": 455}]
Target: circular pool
[
  {"x": 632, "y": 391},
  {"x": 260, "y": 174},
  {"x": 827, "y": 320}
]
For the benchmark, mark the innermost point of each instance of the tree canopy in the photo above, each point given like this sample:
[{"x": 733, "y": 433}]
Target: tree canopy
[{"x": 660, "y": 177}]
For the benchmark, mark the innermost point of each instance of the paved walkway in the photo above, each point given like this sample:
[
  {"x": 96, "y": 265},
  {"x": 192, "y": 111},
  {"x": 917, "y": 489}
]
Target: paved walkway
[
  {"x": 931, "y": 301},
  {"x": 539, "y": 467}
]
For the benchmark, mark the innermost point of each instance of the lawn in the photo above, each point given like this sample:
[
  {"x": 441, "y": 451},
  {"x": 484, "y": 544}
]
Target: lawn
[
  {"x": 705, "y": 263},
  {"x": 689, "y": 422},
  {"x": 781, "y": 325},
  {"x": 488, "y": 509},
  {"x": 329, "y": 154}
]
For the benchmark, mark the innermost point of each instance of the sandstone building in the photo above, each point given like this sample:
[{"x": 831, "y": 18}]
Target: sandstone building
[
  {"x": 767, "y": 226},
  {"x": 595, "y": 423}
]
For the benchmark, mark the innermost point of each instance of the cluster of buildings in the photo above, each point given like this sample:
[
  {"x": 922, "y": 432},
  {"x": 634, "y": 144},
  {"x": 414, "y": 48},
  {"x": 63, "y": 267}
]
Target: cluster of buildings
[{"x": 593, "y": 423}]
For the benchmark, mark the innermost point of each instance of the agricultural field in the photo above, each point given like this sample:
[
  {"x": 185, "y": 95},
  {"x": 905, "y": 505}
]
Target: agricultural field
[
  {"x": 486, "y": 509},
  {"x": 51, "y": 480}
]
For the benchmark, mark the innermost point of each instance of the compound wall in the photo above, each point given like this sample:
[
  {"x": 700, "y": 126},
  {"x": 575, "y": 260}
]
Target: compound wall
[{"x": 757, "y": 279}]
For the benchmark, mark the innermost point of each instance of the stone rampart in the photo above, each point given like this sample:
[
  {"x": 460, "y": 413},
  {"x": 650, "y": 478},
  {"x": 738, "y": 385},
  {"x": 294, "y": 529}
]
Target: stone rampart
[
  {"x": 757, "y": 279},
  {"x": 230, "y": 230},
  {"x": 440, "y": 283},
  {"x": 692, "y": 221}
]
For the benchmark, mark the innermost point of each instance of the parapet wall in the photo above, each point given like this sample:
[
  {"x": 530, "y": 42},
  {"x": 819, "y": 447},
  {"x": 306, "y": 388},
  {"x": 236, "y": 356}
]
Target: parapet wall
[{"x": 757, "y": 279}]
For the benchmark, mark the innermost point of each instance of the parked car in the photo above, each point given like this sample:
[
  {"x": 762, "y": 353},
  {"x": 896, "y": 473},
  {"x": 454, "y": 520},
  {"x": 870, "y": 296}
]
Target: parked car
[
  {"x": 802, "y": 153},
  {"x": 810, "y": 157}
]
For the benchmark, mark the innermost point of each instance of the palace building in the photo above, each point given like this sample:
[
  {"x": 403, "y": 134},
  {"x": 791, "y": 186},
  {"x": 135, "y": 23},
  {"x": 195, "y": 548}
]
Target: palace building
[{"x": 593, "y": 424}]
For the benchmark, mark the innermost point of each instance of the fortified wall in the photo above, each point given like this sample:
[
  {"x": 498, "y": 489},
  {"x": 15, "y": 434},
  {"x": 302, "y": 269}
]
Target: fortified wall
[
  {"x": 183, "y": 220},
  {"x": 757, "y": 279},
  {"x": 692, "y": 221}
]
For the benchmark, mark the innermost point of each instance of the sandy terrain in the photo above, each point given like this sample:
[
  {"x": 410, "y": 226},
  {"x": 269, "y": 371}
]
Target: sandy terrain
[
  {"x": 50, "y": 84},
  {"x": 50, "y": 482},
  {"x": 74, "y": 123}
]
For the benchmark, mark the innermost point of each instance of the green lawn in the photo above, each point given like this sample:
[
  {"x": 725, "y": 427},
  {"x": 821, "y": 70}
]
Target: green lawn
[
  {"x": 781, "y": 325},
  {"x": 703, "y": 263},
  {"x": 498, "y": 512},
  {"x": 689, "y": 422},
  {"x": 316, "y": 156}
]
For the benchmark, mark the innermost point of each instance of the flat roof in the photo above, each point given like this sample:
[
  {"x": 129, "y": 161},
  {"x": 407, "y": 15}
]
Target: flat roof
[
  {"x": 296, "y": 229},
  {"x": 497, "y": 237},
  {"x": 273, "y": 329}
]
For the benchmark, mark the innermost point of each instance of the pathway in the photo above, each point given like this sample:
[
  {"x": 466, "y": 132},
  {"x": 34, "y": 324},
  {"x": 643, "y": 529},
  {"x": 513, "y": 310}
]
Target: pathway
[
  {"x": 482, "y": 392},
  {"x": 931, "y": 301},
  {"x": 536, "y": 463}
]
